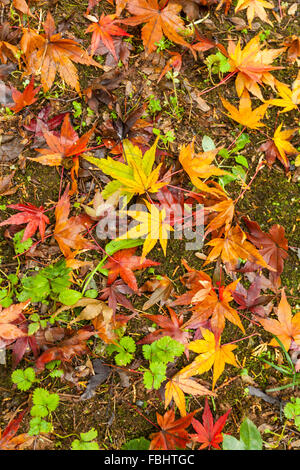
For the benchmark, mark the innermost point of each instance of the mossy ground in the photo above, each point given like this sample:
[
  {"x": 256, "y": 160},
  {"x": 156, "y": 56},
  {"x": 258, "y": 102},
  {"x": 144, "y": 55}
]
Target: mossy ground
[{"x": 272, "y": 199}]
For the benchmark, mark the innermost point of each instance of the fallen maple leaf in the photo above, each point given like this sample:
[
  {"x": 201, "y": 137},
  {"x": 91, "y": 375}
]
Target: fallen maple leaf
[
  {"x": 225, "y": 213},
  {"x": 123, "y": 263},
  {"x": 209, "y": 433},
  {"x": 286, "y": 328},
  {"x": 67, "y": 231},
  {"x": 250, "y": 299},
  {"x": 254, "y": 8},
  {"x": 134, "y": 177},
  {"x": 199, "y": 166},
  {"x": 103, "y": 29},
  {"x": 8, "y": 50},
  {"x": 25, "y": 98},
  {"x": 161, "y": 288},
  {"x": 49, "y": 53},
  {"x": 21, "y": 5},
  {"x": 198, "y": 284},
  {"x": 272, "y": 246},
  {"x": 293, "y": 48},
  {"x": 245, "y": 115},
  {"x": 31, "y": 215},
  {"x": 279, "y": 147},
  {"x": 8, "y": 439},
  {"x": 215, "y": 304},
  {"x": 64, "y": 148},
  {"x": 180, "y": 384},
  {"x": 233, "y": 246},
  {"x": 289, "y": 98},
  {"x": 115, "y": 295},
  {"x": 67, "y": 145},
  {"x": 151, "y": 224},
  {"x": 161, "y": 18},
  {"x": 8, "y": 330},
  {"x": 173, "y": 434},
  {"x": 173, "y": 327},
  {"x": 68, "y": 348},
  {"x": 210, "y": 354},
  {"x": 252, "y": 65}
]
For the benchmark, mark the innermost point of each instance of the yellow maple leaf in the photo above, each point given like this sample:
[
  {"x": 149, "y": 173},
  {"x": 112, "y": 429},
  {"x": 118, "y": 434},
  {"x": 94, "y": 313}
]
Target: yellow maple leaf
[
  {"x": 151, "y": 224},
  {"x": 245, "y": 115},
  {"x": 210, "y": 354},
  {"x": 199, "y": 166},
  {"x": 254, "y": 8},
  {"x": 289, "y": 98},
  {"x": 180, "y": 384},
  {"x": 253, "y": 66},
  {"x": 281, "y": 140},
  {"x": 133, "y": 177}
]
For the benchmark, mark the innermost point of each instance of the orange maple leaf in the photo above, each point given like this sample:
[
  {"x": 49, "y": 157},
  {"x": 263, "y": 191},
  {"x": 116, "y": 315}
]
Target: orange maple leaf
[
  {"x": 233, "y": 246},
  {"x": 173, "y": 432},
  {"x": 160, "y": 19},
  {"x": 25, "y": 98},
  {"x": 252, "y": 66},
  {"x": 49, "y": 53},
  {"x": 199, "y": 166},
  {"x": 68, "y": 231},
  {"x": 214, "y": 305},
  {"x": 286, "y": 328}
]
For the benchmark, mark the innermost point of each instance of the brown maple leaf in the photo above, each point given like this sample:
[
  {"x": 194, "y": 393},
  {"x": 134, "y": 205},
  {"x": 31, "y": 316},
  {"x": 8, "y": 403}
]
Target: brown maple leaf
[
  {"x": 279, "y": 146},
  {"x": 49, "y": 53},
  {"x": 68, "y": 348},
  {"x": 161, "y": 18},
  {"x": 293, "y": 48}
]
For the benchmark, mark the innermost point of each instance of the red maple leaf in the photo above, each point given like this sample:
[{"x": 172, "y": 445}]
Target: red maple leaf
[
  {"x": 209, "y": 433},
  {"x": 123, "y": 264},
  {"x": 173, "y": 433},
  {"x": 8, "y": 438},
  {"x": 37, "y": 123},
  {"x": 31, "y": 215},
  {"x": 103, "y": 29},
  {"x": 25, "y": 98},
  {"x": 172, "y": 327}
]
